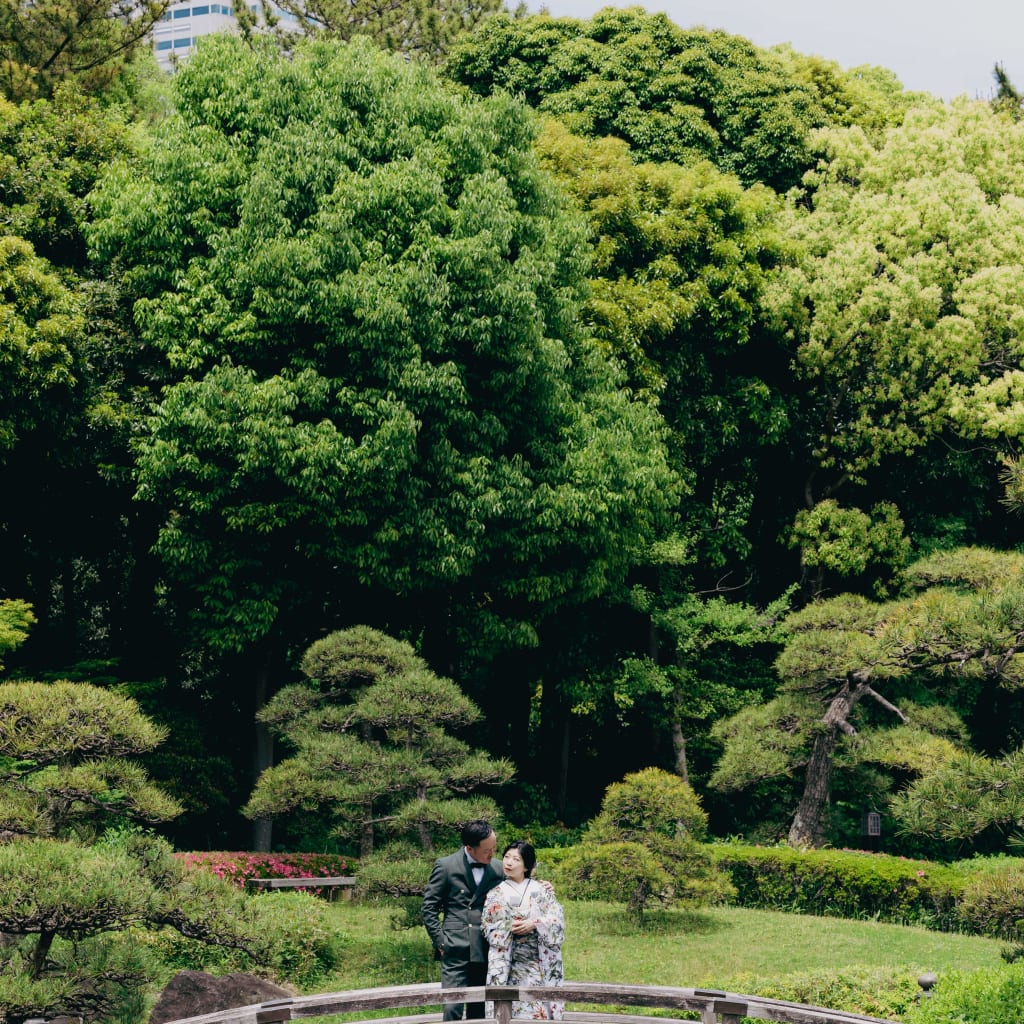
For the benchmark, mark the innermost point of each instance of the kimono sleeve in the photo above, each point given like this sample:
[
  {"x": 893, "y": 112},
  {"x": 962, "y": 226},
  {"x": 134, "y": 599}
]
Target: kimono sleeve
[
  {"x": 496, "y": 924},
  {"x": 551, "y": 920}
]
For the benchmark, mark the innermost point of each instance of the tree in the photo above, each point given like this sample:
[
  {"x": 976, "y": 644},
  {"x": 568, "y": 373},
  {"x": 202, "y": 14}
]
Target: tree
[
  {"x": 386, "y": 411},
  {"x": 674, "y": 95},
  {"x": 1007, "y": 98},
  {"x": 42, "y": 326},
  {"x": 413, "y": 28},
  {"x": 15, "y": 620},
  {"x": 900, "y": 658},
  {"x": 645, "y": 844},
  {"x": 58, "y": 777},
  {"x": 46, "y": 42},
  {"x": 901, "y": 308},
  {"x": 371, "y": 737},
  {"x": 701, "y": 677},
  {"x": 963, "y": 797},
  {"x": 78, "y": 877},
  {"x": 681, "y": 256},
  {"x": 73, "y": 389}
]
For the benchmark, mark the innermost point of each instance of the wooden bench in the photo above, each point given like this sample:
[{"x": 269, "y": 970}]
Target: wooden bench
[{"x": 331, "y": 883}]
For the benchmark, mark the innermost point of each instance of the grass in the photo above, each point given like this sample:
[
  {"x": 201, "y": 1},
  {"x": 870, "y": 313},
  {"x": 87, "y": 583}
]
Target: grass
[{"x": 699, "y": 949}]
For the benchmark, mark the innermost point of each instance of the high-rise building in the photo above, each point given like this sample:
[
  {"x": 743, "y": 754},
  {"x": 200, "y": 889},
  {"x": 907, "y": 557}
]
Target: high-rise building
[{"x": 185, "y": 22}]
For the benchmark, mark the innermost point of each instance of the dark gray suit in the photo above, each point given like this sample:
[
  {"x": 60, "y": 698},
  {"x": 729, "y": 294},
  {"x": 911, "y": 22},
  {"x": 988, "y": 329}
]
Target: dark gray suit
[{"x": 451, "y": 912}]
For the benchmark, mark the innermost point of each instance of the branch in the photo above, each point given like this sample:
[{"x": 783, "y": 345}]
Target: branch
[{"x": 885, "y": 704}]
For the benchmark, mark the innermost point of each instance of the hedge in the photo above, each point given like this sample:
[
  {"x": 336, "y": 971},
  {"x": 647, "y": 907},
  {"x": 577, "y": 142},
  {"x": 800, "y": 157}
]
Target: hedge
[{"x": 843, "y": 883}]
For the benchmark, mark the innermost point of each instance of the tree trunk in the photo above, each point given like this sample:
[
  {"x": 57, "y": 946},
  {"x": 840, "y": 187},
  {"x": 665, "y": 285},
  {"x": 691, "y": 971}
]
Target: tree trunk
[
  {"x": 366, "y": 833},
  {"x": 41, "y": 953},
  {"x": 562, "y": 801},
  {"x": 263, "y": 758},
  {"x": 679, "y": 746},
  {"x": 425, "y": 841},
  {"x": 808, "y": 827}
]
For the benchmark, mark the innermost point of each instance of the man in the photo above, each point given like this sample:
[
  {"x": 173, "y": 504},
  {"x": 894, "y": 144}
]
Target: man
[{"x": 452, "y": 902}]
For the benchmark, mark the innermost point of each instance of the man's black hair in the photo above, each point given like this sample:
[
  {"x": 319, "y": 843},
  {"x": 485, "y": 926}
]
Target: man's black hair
[{"x": 475, "y": 832}]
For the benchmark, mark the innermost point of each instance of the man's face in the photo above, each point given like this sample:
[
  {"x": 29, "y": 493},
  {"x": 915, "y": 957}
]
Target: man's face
[{"x": 484, "y": 851}]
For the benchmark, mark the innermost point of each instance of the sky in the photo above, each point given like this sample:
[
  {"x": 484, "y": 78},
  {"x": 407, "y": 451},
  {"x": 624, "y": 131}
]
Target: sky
[{"x": 939, "y": 46}]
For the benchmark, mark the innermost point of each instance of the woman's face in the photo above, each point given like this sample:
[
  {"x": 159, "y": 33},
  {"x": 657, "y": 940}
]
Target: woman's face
[{"x": 513, "y": 866}]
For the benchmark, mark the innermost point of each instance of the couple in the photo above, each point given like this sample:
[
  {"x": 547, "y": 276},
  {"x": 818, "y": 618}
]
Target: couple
[{"x": 491, "y": 923}]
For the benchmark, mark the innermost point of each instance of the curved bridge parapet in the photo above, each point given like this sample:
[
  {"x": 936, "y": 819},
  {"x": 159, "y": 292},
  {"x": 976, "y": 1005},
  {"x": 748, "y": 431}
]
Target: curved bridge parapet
[{"x": 709, "y": 1005}]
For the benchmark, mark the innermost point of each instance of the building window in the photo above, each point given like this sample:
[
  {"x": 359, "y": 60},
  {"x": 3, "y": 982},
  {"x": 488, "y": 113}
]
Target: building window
[
  {"x": 196, "y": 11},
  {"x": 180, "y": 44},
  {"x": 182, "y": 12},
  {"x": 163, "y": 44}
]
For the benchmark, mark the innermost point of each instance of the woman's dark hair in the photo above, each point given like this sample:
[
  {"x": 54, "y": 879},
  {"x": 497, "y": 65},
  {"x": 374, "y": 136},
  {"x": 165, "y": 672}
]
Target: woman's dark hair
[
  {"x": 475, "y": 832},
  {"x": 526, "y": 851}
]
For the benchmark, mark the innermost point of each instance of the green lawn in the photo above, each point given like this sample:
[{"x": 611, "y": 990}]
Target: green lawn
[{"x": 710, "y": 948}]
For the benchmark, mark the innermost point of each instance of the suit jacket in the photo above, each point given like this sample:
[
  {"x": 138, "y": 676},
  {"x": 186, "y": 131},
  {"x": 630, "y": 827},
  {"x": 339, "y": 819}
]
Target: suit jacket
[{"x": 452, "y": 903}]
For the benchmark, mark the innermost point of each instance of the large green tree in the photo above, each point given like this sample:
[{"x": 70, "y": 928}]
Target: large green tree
[
  {"x": 386, "y": 407},
  {"x": 73, "y": 386},
  {"x": 79, "y": 879},
  {"x": 902, "y": 309},
  {"x": 681, "y": 255},
  {"x": 673, "y": 94}
]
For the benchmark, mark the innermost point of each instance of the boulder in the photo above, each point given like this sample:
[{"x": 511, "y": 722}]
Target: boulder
[{"x": 193, "y": 993}]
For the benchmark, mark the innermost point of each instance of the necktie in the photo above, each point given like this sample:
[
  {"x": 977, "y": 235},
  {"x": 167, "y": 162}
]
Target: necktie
[{"x": 478, "y": 873}]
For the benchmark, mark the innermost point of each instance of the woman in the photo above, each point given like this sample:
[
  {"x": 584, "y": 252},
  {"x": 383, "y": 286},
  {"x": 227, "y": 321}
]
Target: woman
[{"x": 524, "y": 927}]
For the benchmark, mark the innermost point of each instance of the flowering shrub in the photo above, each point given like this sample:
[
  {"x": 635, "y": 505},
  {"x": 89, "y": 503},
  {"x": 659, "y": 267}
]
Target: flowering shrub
[{"x": 238, "y": 868}]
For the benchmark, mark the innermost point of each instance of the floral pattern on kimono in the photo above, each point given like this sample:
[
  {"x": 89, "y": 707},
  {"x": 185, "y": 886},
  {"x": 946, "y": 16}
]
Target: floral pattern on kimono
[{"x": 531, "y": 959}]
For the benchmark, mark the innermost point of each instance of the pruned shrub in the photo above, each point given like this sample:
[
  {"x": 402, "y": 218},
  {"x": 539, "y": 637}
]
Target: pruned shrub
[{"x": 644, "y": 846}]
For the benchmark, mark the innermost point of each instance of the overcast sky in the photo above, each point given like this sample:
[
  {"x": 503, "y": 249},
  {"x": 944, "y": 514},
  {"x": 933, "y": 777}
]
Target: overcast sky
[{"x": 943, "y": 47}]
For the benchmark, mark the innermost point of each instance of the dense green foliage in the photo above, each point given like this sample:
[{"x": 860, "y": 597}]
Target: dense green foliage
[
  {"x": 86, "y": 42},
  {"x": 639, "y": 414},
  {"x": 79, "y": 881},
  {"x": 384, "y": 406},
  {"x": 667, "y": 430},
  {"x": 886, "y": 991},
  {"x": 673, "y": 94},
  {"x": 415, "y": 28},
  {"x": 992, "y": 902},
  {"x": 843, "y": 883}
]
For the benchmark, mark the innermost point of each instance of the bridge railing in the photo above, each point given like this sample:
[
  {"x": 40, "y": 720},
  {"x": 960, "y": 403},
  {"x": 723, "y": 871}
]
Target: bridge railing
[{"x": 712, "y": 1006}]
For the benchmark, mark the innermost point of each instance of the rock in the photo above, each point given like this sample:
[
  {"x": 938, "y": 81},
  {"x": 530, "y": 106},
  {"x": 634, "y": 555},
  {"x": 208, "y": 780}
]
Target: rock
[{"x": 193, "y": 993}]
